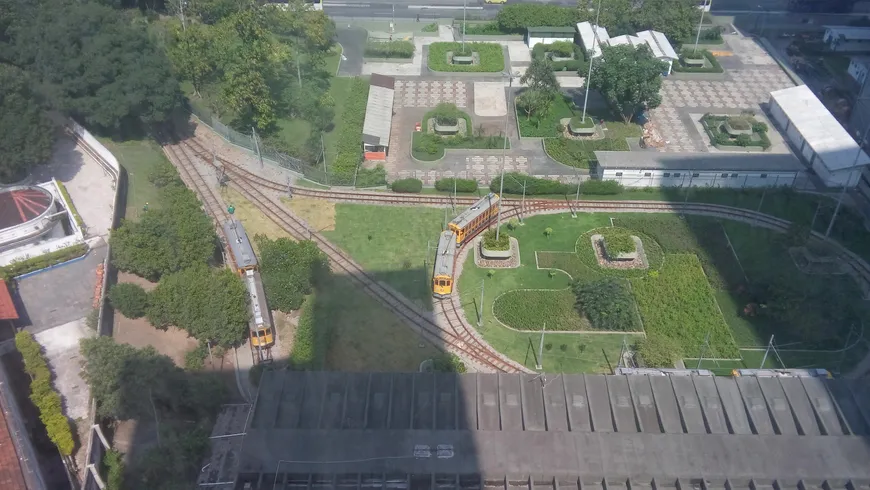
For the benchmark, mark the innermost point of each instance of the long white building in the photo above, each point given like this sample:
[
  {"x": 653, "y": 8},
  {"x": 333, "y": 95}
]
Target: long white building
[
  {"x": 593, "y": 37},
  {"x": 656, "y": 169}
]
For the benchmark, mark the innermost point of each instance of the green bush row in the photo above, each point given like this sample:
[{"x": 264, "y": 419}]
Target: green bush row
[
  {"x": 72, "y": 206},
  {"x": 349, "y": 151},
  {"x": 113, "y": 469},
  {"x": 43, "y": 395},
  {"x": 47, "y": 260},
  {"x": 389, "y": 49},
  {"x": 515, "y": 18},
  {"x": 462, "y": 185},
  {"x": 578, "y": 64},
  {"x": 303, "y": 356},
  {"x": 491, "y": 57},
  {"x": 491, "y": 243},
  {"x": 409, "y": 185},
  {"x": 513, "y": 184},
  {"x": 478, "y": 29},
  {"x": 129, "y": 299},
  {"x": 714, "y": 68}
]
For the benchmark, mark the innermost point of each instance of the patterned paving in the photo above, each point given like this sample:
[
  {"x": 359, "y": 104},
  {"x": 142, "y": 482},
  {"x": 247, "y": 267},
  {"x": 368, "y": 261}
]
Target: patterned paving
[
  {"x": 746, "y": 89},
  {"x": 412, "y": 93}
]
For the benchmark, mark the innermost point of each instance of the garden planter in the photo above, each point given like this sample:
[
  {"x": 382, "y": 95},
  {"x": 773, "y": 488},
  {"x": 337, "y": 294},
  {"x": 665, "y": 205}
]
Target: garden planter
[
  {"x": 557, "y": 57},
  {"x": 449, "y": 129},
  {"x": 462, "y": 60},
  {"x": 734, "y": 132},
  {"x": 577, "y": 128},
  {"x": 495, "y": 254},
  {"x": 694, "y": 62}
]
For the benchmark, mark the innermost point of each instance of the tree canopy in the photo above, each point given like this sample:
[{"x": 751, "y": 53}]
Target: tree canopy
[
  {"x": 289, "y": 270},
  {"x": 28, "y": 135},
  {"x": 93, "y": 63},
  {"x": 516, "y": 17},
  {"x": 165, "y": 240},
  {"x": 629, "y": 78},
  {"x": 210, "y": 304},
  {"x": 677, "y": 19}
]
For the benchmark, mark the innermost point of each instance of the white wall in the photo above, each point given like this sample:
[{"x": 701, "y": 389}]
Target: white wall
[
  {"x": 848, "y": 177},
  {"x": 104, "y": 156},
  {"x": 686, "y": 178},
  {"x": 547, "y": 40},
  {"x": 41, "y": 248}
]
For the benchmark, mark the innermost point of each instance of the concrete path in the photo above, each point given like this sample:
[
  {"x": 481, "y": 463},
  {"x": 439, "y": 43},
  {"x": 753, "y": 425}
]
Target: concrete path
[{"x": 353, "y": 42}]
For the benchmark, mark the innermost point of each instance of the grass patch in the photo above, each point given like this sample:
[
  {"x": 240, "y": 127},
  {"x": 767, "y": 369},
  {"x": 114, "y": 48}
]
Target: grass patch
[
  {"x": 429, "y": 147},
  {"x": 567, "y": 262},
  {"x": 530, "y": 310},
  {"x": 491, "y": 57},
  {"x": 254, "y": 221},
  {"x": 618, "y": 241},
  {"x": 578, "y": 64},
  {"x": 678, "y": 303},
  {"x": 138, "y": 157},
  {"x": 391, "y": 243},
  {"x": 563, "y": 107},
  {"x": 389, "y": 49}
]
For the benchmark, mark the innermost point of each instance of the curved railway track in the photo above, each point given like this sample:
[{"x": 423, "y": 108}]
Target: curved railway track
[{"x": 455, "y": 336}]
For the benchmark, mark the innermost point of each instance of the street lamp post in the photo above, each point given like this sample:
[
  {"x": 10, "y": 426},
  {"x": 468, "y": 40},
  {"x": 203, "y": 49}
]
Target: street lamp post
[
  {"x": 504, "y": 151},
  {"x": 591, "y": 59},
  {"x": 700, "y": 23}
]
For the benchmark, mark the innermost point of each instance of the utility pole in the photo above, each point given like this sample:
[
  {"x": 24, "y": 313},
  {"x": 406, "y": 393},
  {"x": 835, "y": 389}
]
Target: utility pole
[
  {"x": 504, "y": 154},
  {"x": 257, "y": 145},
  {"x": 480, "y": 309},
  {"x": 156, "y": 421},
  {"x": 540, "y": 366},
  {"x": 523, "y": 203},
  {"x": 464, "y": 6},
  {"x": 591, "y": 59},
  {"x": 766, "y": 352},
  {"x": 323, "y": 152},
  {"x": 704, "y": 349},
  {"x": 700, "y": 23}
]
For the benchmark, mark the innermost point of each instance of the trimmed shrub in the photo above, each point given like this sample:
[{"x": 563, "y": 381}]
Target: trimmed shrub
[
  {"x": 433, "y": 27},
  {"x": 601, "y": 187},
  {"x": 538, "y": 186},
  {"x": 130, "y": 299},
  {"x": 617, "y": 241},
  {"x": 389, "y": 49},
  {"x": 304, "y": 357},
  {"x": 490, "y": 243},
  {"x": 72, "y": 206},
  {"x": 113, "y": 469},
  {"x": 478, "y": 29},
  {"x": 659, "y": 351},
  {"x": 516, "y": 17},
  {"x": 43, "y": 395},
  {"x": 37, "y": 263},
  {"x": 608, "y": 305},
  {"x": 446, "y": 113},
  {"x": 194, "y": 359},
  {"x": 409, "y": 185},
  {"x": 371, "y": 177},
  {"x": 462, "y": 185},
  {"x": 759, "y": 127},
  {"x": 448, "y": 363}
]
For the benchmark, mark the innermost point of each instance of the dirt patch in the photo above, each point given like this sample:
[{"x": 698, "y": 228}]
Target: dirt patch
[
  {"x": 319, "y": 214},
  {"x": 138, "y": 332},
  {"x": 254, "y": 221},
  {"x": 285, "y": 326}
]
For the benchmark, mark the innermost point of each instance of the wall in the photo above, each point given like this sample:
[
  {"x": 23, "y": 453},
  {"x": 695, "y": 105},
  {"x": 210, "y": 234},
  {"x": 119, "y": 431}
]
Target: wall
[
  {"x": 858, "y": 71},
  {"x": 532, "y": 41},
  {"x": 849, "y": 178},
  {"x": 686, "y": 178}
]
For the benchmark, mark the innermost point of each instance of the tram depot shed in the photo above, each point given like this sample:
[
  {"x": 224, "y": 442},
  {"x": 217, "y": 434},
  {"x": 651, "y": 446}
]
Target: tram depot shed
[
  {"x": 379, "y": 115},
  {"x": 817, "y": 136},
  {"x": 498, "y": 431}
]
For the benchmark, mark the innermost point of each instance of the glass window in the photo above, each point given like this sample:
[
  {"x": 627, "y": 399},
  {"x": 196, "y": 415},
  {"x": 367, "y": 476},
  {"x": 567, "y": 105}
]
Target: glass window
[
  {"x": 666, "y": 174},
  {"x": 676, "y": 174},
  {"x": 733, "y": 176},
  {"x": 647, "y": 174},
  {"x": 619, "y": 174},
  {"x": 763, "y": 176},
  {"x": 696, "y": 174},
  {"x": 725, "y": 175}
]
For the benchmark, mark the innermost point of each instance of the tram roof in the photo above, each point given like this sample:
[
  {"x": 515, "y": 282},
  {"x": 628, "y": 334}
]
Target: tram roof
[
  {"x": 475, "y": 210},
  {"x": 240, "y": 245},
  {"x": 445, "y": 254}
]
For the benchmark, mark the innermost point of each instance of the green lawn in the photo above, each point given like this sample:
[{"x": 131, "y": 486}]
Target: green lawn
[
  {"x": 391, "y": 243},
  {"x": 546, "y": 125},
  {"x": 491, "y": 57},
  {"x": 536, "y": 310},
  {"x": 429, "y": 147},
  {"x": 138, "y": 157},
  {"x": 573, "y": 152}
]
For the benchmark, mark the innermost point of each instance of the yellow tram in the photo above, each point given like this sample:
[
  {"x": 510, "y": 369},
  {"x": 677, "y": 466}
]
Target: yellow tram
[
  {"x": 474, "y": 218},
  {"x": 442, "y": 275}
]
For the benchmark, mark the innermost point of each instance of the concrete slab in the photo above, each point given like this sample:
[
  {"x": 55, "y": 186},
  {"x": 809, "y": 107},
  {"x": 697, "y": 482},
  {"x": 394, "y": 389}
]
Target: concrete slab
[
  {"x": 711, "y": 405},
  {"x": 487, "y": 402},
  {"x": 61, "y": 347},
  {"x": 599, "y": 404},
  {"x": 733, "y": 405},
  {"x": 355, "y": 404},
  {"x": 778, "y": 405},
  {"x": 690, "y": 407},
  {"x": 489, "y": 99},
  {"x": 519, "y": 53},
  {"x": 800, "y": 406},
  {"x": 60, "y": 295},
  {"x": 401, "y": 400},
  {"x": 755, "y": 405},
  {"x": 644, "y": 404},
  {"x": 554, "y": 404},
  {"x": 332, "y": 410},
  {"x": 509, "y": 402},
  {"x": 377, "y": 416},
  {"x": 90, "y": 187},
  {"x": 467, "y": 398},
  {"x": 424, "y": 396},
  {"x": 532, "y": 390},
  {"x": 666, "y": 402},
  {"x": 821, "y": 402},
  {"x": 445, "y": 401},
  {"x": 577, "y": 401}
]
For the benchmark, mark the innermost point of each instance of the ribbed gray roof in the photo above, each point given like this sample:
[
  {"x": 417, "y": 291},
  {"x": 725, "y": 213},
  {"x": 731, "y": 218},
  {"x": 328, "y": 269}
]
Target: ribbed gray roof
[
  {"x": 445, "y": 254},
  {"x": 475, "y": 210},
  {"x": 240, "y": 245}
]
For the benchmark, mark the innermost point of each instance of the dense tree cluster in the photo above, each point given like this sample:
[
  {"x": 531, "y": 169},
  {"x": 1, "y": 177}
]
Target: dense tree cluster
[
  {"x": 28, "y": 135},
  {"x": 629, "y": 80},
  {"x": 289, "y": 270},
  {"x": 542, "y": 89},
  {"x": 608, "y": 305}
]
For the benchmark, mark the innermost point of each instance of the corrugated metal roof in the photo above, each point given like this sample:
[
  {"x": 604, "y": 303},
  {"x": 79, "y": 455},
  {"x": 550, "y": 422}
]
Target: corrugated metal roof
[
  {"x": 240, "y": 245},
  {"x": 641, "y": 160},
  {"x": 592, "y": 38},
  {"x": 7, "y": 307},
  {"x": 445, "y": 254},
  {"x": 379, "y": 114},
  {"x": 821, "y": 130},
  {"x": 659, "y": 44},
  {"x": 476, "y": 210}
]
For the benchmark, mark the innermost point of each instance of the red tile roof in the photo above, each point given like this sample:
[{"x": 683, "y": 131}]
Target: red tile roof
[
  {"x": 11, "y": 474},
  {"x": 7, "y": 307}
]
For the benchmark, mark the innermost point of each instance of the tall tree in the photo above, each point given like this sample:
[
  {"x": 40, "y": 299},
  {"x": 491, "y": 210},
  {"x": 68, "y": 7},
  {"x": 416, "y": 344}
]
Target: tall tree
[
  {"x": 28, "y": 135},
  {"x": 539, "y": 76},
  {"x": 289, "y": 269},
  {"x": 616, "y": 15},
  {"x": 677, "y": 19},
  {"x": 629, "y": 78},
  {"x": 96, "y": 65},
  {"x": 191, "y": 54}
]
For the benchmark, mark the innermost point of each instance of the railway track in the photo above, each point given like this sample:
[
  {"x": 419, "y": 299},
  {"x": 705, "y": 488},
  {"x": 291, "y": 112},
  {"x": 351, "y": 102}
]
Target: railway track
[
  {"x": 455, "y": 336},
  {"x": 197, "y": 183}
]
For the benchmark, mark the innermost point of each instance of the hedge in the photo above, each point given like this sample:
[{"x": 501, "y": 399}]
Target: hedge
[
  {"x": 304, "y": 352},
  {"x": 578, "y": 64},
  {"x": 129, "y": 299},
  {"x": 43, "y": 395},
  {"x": 348, "y": 151},
  {"x": 680, "y": 67},
  {"x": 519, "y": 16},
  {"x": 478, "y": 29},
  {"x": 389, "y": 49},
  {"x": 47, "y": 260},
  {"x": 513, "y": 184},
  {"x": 462, "y": 185},
  {"x": 409, "y": 185},
  {"x": 113, "y": 469},
  {"x": 491, "y": 57},
  {"x": 719, "y": 137},
  {"x": 72, "y": 206}
]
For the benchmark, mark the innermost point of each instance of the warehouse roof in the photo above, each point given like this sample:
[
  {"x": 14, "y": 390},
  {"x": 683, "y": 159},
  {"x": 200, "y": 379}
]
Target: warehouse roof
[
  {"x": 557, "y": 29},
  {"x": 849, "y": 33},
  {"x": 704, "y": 162},
  {"x": 594, "y": 427},
  {"x": 379, "y": 111},
  {"x": 822, "y": 132}
]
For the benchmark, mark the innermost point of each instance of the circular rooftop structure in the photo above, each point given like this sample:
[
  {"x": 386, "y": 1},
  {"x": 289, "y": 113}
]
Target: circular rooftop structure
[{"x": 23, "y": 210}]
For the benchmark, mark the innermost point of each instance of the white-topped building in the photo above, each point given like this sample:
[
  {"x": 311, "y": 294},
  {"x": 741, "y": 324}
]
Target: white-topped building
[{"x": 593, "y": 37}]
